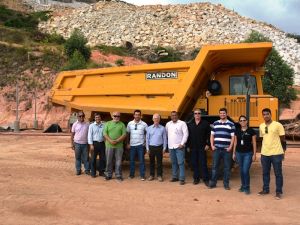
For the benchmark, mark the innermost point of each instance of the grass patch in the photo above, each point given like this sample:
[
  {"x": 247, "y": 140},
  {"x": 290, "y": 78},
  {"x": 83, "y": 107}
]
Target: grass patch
[{"x": 107, "y": 49}]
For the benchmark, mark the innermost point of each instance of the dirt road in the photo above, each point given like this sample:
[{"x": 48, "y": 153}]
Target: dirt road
[{"x": 38, "y": 186}]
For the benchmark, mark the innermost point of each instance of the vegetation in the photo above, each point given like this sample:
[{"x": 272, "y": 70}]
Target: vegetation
[
  {"x": 295, "y": 36},
  {"x": 107, "y": 49},
  {"x": 76, "y": 62},
  {"x": 165, "y": 55},
  {"x": 278, "y": 79},
  {"x": 119, "y": 62},
  {"x": 77, "y": 42}
]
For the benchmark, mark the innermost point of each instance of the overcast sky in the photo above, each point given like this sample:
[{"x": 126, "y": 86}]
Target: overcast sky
[{"x": 284, "y": 14}]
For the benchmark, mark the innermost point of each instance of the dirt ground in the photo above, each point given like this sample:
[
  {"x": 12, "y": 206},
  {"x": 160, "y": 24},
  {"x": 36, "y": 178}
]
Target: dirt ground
[{"x": 38, "y": 185}]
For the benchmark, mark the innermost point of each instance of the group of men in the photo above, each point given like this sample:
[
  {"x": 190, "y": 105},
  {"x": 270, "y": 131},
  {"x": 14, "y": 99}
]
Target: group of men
[{"x": 107, "y": 139}]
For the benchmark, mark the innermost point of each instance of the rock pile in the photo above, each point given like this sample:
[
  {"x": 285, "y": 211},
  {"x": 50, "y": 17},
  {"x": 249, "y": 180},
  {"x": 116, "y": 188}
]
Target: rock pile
[{"x": 184, "y": 27}]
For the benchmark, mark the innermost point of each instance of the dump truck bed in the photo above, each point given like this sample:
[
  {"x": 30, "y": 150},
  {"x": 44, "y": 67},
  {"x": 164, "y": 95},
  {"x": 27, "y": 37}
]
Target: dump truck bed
[{"x": 152, "y": 88}]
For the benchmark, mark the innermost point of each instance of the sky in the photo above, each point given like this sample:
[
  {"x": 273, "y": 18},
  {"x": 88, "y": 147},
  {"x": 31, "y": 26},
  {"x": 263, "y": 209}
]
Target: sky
[{"x": 283, "y": 14}]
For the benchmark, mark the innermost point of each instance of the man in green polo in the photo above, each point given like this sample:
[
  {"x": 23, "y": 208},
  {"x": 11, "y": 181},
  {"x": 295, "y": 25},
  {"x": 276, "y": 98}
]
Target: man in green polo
[{"x": 114, "y": 133}]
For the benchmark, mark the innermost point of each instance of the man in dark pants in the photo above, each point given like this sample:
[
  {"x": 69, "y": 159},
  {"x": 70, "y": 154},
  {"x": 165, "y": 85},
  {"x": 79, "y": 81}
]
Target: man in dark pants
[
  {"x": 272, "y": 152},
  {"x": 97, "y": 146},
  {"x": 156, "y": 145},
  {"x": 198, "y": 142},
  {"x": 221, "y": 139}
]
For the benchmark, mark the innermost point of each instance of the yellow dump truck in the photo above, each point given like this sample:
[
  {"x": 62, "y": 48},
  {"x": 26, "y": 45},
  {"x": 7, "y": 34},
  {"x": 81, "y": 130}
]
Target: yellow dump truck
[{"x": 215, "y": 79}]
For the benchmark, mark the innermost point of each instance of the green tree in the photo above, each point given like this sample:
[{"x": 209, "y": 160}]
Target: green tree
[
  {"x": 76, "y": 62},
  {"x": 279, "y": 76},
  {"x": 77, "y": 41}
]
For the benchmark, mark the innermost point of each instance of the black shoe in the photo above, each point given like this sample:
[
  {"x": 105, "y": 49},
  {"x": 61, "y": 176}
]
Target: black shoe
[
  {"x": 174, "y": 180},
  {"x": 107, "y": 178},
  {"x": 241, "y": 189},
  {"x": 119, "y": 178},
  {"x": 101, "y": 174},
  {"x": 278, "y": 196},
  {"x": 263, "y": 192},
  {"x": 78, "y": 172},
  {"x": 87, "y": 172},
  {"x": 196, "y": 182},
  {"x": 211, "y": 185},
  {"x": 227, "y": 188},
  {"x": 182, "y": 182},
  {"x": 206, "y": 183},
  {"x": 93, "y": 176}
]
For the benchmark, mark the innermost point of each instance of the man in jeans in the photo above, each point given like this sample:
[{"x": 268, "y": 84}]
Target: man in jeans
[
  {"x": 97, "y": 146},
  {"x": 114, "y": 133},
  {"x": 272, "y": 152},
  {"x": 136, "y": 130},
  {"x": 156, "y": 145},
  {"x": 79, "y": 143},
  {"x": 221, "y": 139},
  {"x": 177, "y": 133}
]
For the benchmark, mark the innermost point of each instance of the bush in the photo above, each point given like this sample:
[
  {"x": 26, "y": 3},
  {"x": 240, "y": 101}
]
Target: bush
[
  {"x": 77, "y": 42},
  {"x": 107, "y": 49},
  {"x": 295, "y": 36},
  {"x": 165, "y": 55},
  {"x": 119, "y": 62},
  {"x": 279, "y": 76},
  {"x": 76, "y": 62}
]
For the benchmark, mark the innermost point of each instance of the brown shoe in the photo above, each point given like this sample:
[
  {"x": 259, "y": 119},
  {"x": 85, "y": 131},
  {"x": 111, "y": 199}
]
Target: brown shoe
[{"x": 151, "y": 178}]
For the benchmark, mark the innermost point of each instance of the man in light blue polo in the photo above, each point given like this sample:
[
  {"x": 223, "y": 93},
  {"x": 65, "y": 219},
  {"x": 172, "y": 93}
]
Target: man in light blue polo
[
  {"x": 221, "y": 139},
  {"x": 136, "y": 130},
  {"x": 156, "y": 145},
  {"x": 97, "y": 145}
]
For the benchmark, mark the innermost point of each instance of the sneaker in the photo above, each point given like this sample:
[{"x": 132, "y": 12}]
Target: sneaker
[
  {"x": 241, "y": 189},
  {"x": 263, "y": 192},
  {"x": 227, "y": 188},
  {"x": 142, "y": 178},
  {"x": 278, "y": 196},
  {"x": 195, "y": 182},
  {"x": 182, "y": 182},
  {"x": 119, "y": 179},
  {"x": 174, "y": 180},
  {"x": 78, "y": 172},
  {"x": 160, "y": 179},
  {"x": 151, "y": 178},
  {"x": 130, "y": 177},
  {"x": 247, "y": 192}
]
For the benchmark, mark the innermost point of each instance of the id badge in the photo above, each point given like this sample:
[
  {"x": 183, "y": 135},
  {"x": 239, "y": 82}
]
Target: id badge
[{"x": 242, "y": 142}]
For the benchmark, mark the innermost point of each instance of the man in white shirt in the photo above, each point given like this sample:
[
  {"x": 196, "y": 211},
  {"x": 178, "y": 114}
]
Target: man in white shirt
[
  {"x": 136, "y": 130},
  {"x": 177, "y": 133}
]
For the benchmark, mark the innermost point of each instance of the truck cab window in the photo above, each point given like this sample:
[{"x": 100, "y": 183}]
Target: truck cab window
[{"x": 238, "y": 87}]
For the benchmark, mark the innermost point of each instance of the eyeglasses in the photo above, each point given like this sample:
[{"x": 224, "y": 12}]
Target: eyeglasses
[
  {"x": 266, "y": 129},
  {"x": 80, "y": 116},
  {"x": 243, "y": 120},
  {"x": 135, "y": 126},
  {"x": 117, "y": 116},
  {"x": 197, "y": 113}
]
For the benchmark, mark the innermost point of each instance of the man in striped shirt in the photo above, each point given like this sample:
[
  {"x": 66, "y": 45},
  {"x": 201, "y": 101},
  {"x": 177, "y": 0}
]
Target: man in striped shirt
[{"x": 221, "y": 139}]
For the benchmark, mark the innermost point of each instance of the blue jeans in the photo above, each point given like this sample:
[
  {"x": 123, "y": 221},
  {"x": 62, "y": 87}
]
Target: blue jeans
[
  {"x": 139, "y": 149},
  {"x": 81, "y": 155},
  {"x": 199, "y": 161},
  {"x": 276, "y": 161},
  {"x": 244, "y": 160},
  {"x": 177, "y": 160},
  {"x": 221, "y": 153}
]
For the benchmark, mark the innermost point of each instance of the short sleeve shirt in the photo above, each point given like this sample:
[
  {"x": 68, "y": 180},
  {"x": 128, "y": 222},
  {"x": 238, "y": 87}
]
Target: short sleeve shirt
[
  {"x": 137, "y": 132},
  {"x": 114, "y": 130},
  {"x": 244, "y": 140},
  {"x": 81, "y": 132},
  {"x": 271, "y": 133}
]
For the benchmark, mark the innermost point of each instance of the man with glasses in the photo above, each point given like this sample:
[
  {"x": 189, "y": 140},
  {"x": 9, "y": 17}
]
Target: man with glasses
[
  {"x": 177, "y": 133},
  {"x": 221, "y": 139},
  {"x": 79, "y": 143},
  {"x": 198, "y": 142},
  {"x": 114, "y": 133},
  {"x": 272, "y": 152},
  {"x": 136, "y": 130},
  {"x": 156, "y": 145},
  {"x": 97, "y": 146}
]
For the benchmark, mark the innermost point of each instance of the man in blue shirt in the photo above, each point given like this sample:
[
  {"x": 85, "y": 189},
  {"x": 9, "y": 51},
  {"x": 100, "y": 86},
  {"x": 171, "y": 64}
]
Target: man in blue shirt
[
  {"x": 156, "y": 145},
  {"x": 97, "y": 146},
  {"x": 221, "y": 139}
]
